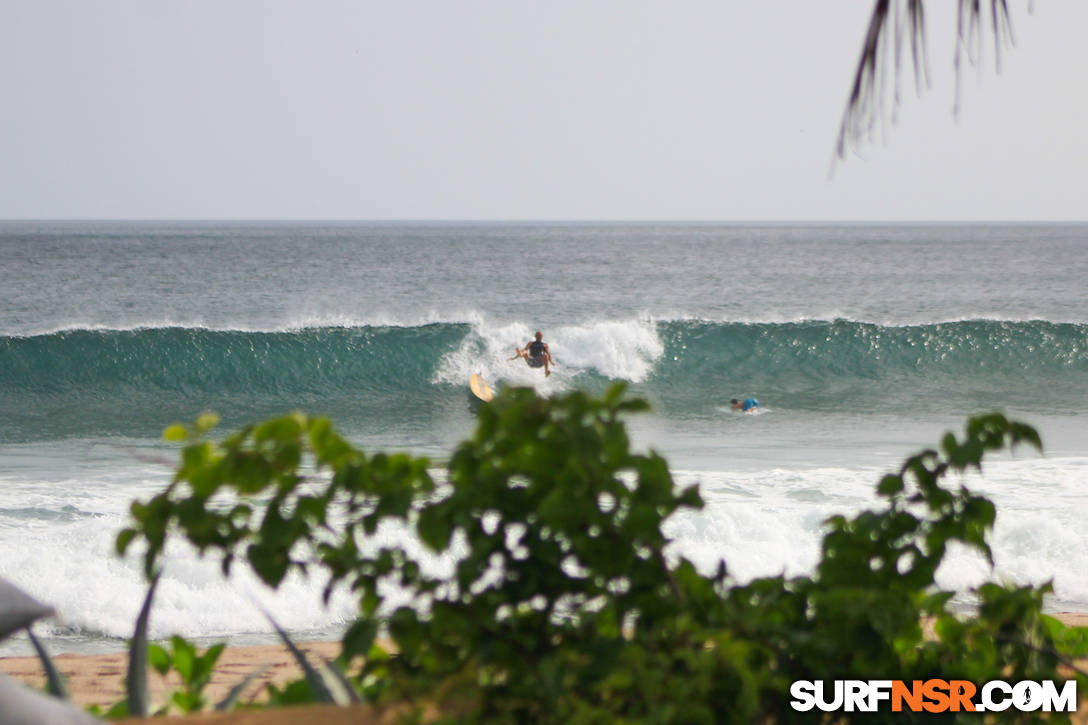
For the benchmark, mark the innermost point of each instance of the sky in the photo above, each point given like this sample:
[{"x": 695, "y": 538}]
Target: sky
[{"x": 523, "y": 110}]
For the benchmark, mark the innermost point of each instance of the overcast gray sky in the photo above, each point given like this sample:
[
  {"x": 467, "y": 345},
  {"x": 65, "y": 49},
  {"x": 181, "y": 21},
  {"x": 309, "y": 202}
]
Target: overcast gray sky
[{"x": 508, "y": 109}]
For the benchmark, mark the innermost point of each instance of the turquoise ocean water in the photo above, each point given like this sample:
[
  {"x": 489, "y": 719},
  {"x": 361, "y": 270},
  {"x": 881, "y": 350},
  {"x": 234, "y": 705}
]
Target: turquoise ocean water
[{"x": 863, "y": 343}]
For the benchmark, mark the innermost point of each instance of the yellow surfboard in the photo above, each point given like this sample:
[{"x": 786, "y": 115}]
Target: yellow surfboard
[{"x": 480, "y": 388}]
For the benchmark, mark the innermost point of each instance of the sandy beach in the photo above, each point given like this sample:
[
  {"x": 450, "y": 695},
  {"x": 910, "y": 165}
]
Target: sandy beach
[{"x": 98, "y": 679}]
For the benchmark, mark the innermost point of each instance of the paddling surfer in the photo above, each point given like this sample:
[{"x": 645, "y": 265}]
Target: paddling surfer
[
  {"x": 536, "y": 354},
  {"x": 748, "y": 405}
]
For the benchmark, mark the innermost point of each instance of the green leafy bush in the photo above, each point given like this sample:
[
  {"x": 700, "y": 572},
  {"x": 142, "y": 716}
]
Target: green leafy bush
[
  {"x": 562, "y": 605},
  {"x": 195, "y": 670}
]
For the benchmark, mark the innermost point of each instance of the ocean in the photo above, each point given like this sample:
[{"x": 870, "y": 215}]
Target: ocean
[{"x": 863, "y": 344}]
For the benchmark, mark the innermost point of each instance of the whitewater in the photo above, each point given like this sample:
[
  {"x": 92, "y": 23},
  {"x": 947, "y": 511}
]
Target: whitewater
[{"x": 862, "y": 343}]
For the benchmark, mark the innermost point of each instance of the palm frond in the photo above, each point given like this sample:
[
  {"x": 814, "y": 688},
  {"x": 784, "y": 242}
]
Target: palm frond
[
  {"x": 236, "y": 692},
  {"x": 893, "y": 24},
  {"x": 54, "y": 681}
]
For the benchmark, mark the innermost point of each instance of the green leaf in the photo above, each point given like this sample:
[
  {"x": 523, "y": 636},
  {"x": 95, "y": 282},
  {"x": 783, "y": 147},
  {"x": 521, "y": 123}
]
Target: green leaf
[
  {"x": 434, "y": 528},
  {"x": 206, "y": 422},
  {"x": 117, "y": 711},
  {"x": 159, "y": 658},
  {"x": 124, "y": 539},
  {"x": 359, "y": 637},
  {"x": 205, "y": 664},
  {"x": 890, "y": 485},
  {"x": 176, "y": 433},
  {"x": 184, "y": 658},
  {"x": 293, "y": 693}
]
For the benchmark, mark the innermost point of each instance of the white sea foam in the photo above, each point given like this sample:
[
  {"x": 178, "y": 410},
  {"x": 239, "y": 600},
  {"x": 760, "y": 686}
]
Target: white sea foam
[
  {"x": 58, "y": 538},
  {"x": 770, "y": 522},
  {"x": 57, "y": 529}
]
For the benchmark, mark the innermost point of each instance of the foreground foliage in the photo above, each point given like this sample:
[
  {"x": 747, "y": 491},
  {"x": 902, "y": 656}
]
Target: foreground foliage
[{"x": 552, "y": 597}]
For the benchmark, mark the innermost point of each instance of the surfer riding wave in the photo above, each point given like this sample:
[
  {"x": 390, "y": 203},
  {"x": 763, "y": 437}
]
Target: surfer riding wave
[{"x": 536, "y": 354}]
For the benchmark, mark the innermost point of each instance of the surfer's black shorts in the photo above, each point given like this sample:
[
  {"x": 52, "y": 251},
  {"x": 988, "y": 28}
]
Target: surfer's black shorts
[{"x": 535, "y": 362}]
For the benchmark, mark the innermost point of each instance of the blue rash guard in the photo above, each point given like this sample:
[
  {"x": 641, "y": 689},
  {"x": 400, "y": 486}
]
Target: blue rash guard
[{"x": 749, "y": 404}]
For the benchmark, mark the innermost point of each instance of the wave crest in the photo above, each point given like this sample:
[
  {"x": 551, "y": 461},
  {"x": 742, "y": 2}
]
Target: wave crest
[{"x": 85, "y": 379}]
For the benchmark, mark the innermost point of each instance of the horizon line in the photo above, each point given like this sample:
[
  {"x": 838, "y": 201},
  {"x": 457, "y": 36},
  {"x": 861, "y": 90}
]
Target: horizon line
[{"x": 497, "y": 220}]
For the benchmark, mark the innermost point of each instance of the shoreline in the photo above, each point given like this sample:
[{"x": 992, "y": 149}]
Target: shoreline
[{"x": 99, "y": 679}]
